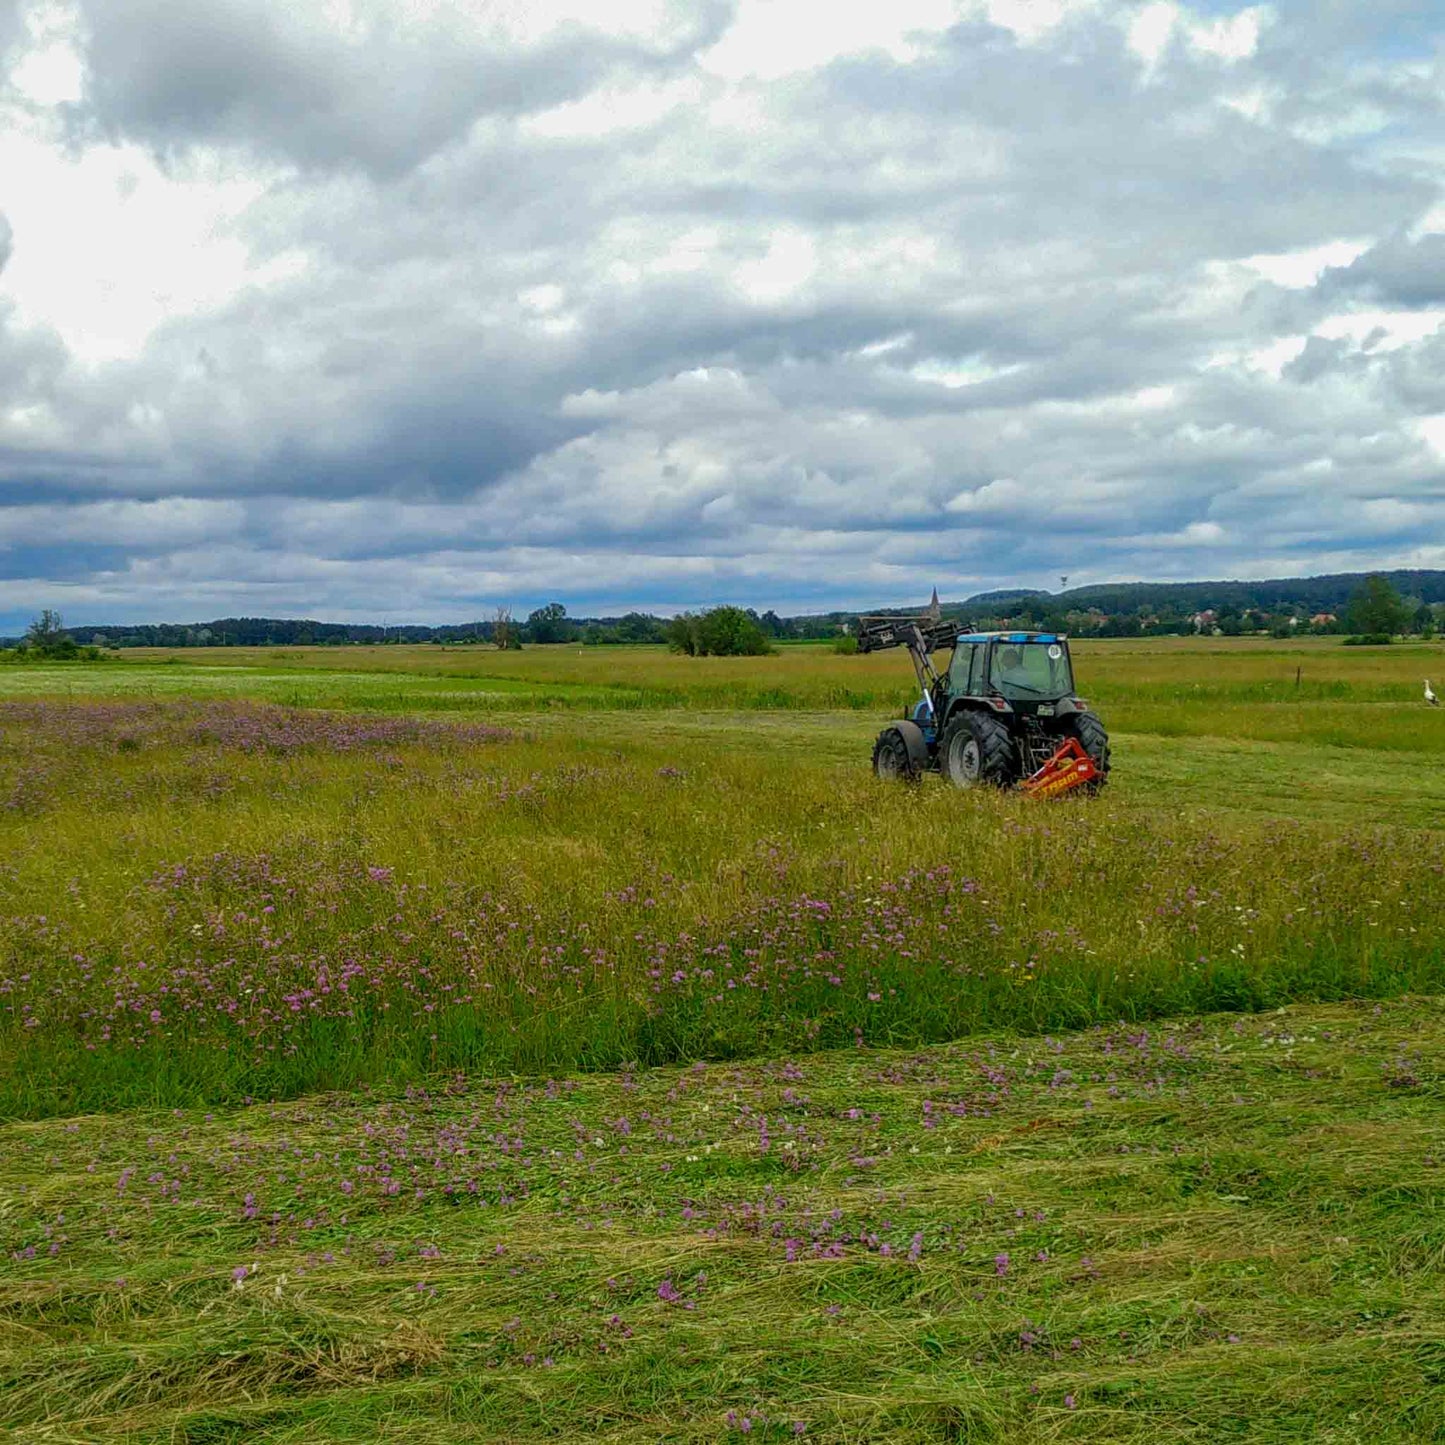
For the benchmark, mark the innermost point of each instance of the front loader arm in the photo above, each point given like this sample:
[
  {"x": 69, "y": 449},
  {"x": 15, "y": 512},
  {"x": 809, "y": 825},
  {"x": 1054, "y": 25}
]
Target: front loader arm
[{"x": 922, "y": 636}]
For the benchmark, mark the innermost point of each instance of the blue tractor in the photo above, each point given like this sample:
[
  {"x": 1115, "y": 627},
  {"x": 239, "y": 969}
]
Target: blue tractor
[{"x": 1002, "y": 713}]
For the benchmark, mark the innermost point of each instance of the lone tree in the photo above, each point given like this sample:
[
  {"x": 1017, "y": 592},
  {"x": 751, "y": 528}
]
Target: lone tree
[
  {"x": 46, "y": 631},
  {"x": 47, "y": 637},
  {"x": 504, "y": 631},
  {"x": 1376, "y": 609},
  {"x": 550, "y": 624}
]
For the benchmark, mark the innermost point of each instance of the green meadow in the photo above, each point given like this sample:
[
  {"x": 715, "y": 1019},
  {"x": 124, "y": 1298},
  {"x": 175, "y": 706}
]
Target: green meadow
[{"x": 581, "y": 1044}]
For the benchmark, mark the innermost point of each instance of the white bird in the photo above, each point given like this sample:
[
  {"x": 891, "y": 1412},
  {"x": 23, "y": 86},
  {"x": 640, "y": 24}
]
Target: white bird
[{"x": 1430, "y": 694}]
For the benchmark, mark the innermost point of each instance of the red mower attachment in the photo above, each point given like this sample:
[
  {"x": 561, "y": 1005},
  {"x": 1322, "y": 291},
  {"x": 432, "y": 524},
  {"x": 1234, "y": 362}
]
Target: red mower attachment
[{"x": 1069, "y": 768}]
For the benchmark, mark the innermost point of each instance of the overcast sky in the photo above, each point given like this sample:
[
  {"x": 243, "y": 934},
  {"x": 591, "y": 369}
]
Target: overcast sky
[{"x": 403, "y": 309}]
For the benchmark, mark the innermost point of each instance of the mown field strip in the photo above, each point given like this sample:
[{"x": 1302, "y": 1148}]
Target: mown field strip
[{"x": 1224, "y": 1228}]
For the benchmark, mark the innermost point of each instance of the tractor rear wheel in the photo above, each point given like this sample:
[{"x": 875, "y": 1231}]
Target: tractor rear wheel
[
  {"x": 977, "y": 751},
  {"x": 891, "y": 758},
  {"x": 1095, "y": 741}
]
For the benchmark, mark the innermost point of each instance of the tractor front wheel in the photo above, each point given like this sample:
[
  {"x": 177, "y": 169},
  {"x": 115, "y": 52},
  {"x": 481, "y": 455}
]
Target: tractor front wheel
[
  {"x": 891, "y": 757},
  {"x": 977, "y": 751}
]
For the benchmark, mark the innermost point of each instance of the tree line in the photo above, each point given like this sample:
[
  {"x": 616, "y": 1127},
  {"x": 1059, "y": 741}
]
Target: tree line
[
  {"x": 1363, "y": 605},
  {"x": 718, "y": 630},
  {"x": 1373, "y": 608}
]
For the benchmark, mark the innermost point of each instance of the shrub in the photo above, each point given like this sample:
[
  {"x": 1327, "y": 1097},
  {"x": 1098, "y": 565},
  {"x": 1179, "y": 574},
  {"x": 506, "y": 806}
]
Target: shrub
[
  {"x": 731, "y": 632},
  {"x": 719, "y": 632},
  {"x": 681, "y": 633}
]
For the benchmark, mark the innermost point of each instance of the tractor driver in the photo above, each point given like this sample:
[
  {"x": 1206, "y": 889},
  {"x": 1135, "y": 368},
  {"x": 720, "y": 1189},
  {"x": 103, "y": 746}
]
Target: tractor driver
[{"x": 1010, "y": 667}]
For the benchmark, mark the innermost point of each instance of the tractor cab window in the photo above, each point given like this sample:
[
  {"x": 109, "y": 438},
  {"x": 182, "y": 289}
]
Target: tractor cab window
[
  {"x": 1031, "y": 669},
  {"x": 959, "y": 669}
]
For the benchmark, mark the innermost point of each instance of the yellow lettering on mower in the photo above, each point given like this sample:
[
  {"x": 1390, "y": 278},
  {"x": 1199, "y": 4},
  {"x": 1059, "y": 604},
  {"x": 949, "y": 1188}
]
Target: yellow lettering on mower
[{"x": 1069, "y": 768}]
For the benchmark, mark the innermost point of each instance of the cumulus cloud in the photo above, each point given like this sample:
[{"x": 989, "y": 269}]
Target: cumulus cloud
[
  {"x": 372, "y": 85},
  {"x": 1398, "y": 271},
  {"x": 663, "y": 304}
]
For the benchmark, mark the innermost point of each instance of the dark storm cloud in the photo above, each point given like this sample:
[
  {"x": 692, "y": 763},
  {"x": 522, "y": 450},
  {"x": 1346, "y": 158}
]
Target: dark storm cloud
[
  {"x": 1396, "y": 271},
  {"x": 273, "y": 79},
  {"x": 447, "y": 443},
  {"x": 1415, "y": 377}
]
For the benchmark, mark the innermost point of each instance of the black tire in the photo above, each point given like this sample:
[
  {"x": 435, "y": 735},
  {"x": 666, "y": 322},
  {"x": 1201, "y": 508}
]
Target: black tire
[
  {"x": 1092, "y": 737},
  {"x": 891, "y": 759},
  {"x": 977, "y": 751}
]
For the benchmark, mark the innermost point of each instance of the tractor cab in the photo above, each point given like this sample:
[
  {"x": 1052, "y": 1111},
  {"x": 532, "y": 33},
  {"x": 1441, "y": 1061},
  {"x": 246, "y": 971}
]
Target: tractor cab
[{"x": 1028, "y": 670}]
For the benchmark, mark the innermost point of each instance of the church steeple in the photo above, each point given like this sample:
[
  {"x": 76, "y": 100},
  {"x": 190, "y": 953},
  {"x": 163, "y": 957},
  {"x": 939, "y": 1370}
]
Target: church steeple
[{"x": 934, "y": 610}]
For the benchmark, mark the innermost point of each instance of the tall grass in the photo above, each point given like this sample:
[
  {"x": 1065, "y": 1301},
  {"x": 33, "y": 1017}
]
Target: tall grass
[{"x": 223, "y": 901}]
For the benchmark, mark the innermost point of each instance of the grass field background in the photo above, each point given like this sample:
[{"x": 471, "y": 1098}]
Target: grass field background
[
  {"x": 426, "y": 880},
  {"x": 1310, "y": 690}
]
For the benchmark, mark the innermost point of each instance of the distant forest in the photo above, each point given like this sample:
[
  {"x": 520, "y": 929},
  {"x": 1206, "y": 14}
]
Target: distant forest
[{"x": 1278, "y": 605}]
